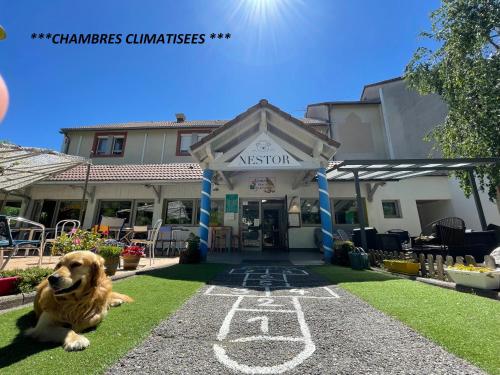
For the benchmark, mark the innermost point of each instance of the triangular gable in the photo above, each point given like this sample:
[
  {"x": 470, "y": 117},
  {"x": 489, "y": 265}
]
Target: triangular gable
[{"x": 264, "y": 153}]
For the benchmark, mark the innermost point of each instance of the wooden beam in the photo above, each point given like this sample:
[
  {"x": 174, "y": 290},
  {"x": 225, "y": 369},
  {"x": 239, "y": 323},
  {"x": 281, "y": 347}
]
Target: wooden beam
[{"x": 226, "y": 180}]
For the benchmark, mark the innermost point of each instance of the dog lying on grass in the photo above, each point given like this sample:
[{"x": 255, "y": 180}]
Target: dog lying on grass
[{"x": 75, "y": 297}]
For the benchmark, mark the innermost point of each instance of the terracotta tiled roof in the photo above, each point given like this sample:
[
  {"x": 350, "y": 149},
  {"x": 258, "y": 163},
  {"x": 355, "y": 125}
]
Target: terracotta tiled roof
[
  {"x": 133, "y": 172},
  {"x": 169, "y": 124}
]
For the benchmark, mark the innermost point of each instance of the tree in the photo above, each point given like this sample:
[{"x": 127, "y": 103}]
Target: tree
[{"x": 464, "y": 70}]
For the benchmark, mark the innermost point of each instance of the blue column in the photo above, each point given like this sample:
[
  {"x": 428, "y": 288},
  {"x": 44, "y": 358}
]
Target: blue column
[
  {"x": 206, "y": 191},
  {"x": 326, "y": 215}
]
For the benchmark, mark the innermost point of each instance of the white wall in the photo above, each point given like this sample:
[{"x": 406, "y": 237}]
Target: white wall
[{"x": 465, "y": 208}]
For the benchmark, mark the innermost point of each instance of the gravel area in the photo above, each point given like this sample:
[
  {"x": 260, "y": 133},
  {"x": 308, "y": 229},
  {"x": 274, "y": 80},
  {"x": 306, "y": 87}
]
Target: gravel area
[{"x": 283, "y": 320}]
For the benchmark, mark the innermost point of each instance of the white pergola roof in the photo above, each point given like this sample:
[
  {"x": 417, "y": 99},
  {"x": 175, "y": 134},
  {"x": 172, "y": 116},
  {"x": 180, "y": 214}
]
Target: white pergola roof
[
  {"x": 23, "y": 166},
  {"x": 398, "y": 169}
]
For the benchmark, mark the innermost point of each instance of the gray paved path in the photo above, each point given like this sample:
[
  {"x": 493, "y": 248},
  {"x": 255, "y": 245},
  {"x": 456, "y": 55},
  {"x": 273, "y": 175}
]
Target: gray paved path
[{"x": 270, "y": 320}]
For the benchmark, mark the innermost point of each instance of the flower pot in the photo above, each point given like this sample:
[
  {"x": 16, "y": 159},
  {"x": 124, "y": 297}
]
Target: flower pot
[
  {"x": 406, "y": 268},
  {"x": 111, "y": 265},
  {"x": 8, "y": 285},
  {"x": 130, "y": 262},
  {"x": 474, "y": 279}
]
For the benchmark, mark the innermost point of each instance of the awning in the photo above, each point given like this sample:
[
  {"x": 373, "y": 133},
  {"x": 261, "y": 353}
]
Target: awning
[
  {"x": 398, "y": 169},
  {"x": 23, "y": 166}
]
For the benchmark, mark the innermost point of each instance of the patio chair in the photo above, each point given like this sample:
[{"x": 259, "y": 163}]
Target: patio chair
[
  {"x": 179, "y": 237},
  {"x": 389, "y": 242},
  {"x": 165, "y": 236},
  {"x": 371, "y": 237},
  {"x": 150, "y": 241},
  {"x": 404, "y": 235},
  {"x": 343, "y": 236},
  {"x": 7, "y": 243},
  {"x": 448, "y": 237},
  {"x": 62, "y": 226},
  {"x": 114, "y": 224}
]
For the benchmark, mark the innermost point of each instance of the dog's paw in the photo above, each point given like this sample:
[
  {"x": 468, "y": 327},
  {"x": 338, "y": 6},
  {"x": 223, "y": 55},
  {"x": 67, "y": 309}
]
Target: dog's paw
[
  {"x": 76, "y": 343},
  {"x": 116, "y": 302}
]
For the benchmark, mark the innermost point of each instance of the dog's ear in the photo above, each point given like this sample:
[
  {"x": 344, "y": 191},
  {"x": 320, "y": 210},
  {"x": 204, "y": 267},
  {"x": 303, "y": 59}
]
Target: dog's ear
[{"x": 96, "y": 271}]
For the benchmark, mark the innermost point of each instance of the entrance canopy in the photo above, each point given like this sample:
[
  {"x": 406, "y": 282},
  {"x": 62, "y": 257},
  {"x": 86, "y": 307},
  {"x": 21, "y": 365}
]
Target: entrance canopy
[
  {"x": 266, "y": 138},
  {"x": 24, "y": 166}
]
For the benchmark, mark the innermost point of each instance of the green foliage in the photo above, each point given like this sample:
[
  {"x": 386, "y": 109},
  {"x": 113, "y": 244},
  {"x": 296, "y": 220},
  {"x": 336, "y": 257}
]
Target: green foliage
[
  {"x": 123, "y": 328},
  {"x": 108, "y": 251},
  {"x": 30, "y": 277},
  {"x": 77, "y": 240},
  {"x": 465, "y": 71},
  {"x": 464, "y": 324}
]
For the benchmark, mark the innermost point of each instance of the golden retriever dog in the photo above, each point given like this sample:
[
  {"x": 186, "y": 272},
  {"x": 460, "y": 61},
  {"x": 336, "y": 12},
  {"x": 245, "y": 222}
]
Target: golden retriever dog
[{"x": 74, "y": 298}]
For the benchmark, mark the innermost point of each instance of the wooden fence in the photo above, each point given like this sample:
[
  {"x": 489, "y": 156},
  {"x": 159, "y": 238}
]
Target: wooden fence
[{"x": 430, "y": 266}]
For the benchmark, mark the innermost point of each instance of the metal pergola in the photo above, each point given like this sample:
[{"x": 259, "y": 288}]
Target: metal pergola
[
  {"x": 21, "y": 167},
  {"x": 398, "y": 169}
]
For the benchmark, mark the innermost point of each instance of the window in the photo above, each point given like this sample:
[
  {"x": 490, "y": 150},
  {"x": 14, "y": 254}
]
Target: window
[
  {"x": 49, "y": 212},
  {"x": 12, "y": 208},
  {"x": 109, "y": 144},
  {"x": 186, "y": 138},
  {"x": 309, "y": 211},
  {"x": 69, "y": 210},
  {"x": 216, "y": 213},
  {"x": 102, "y": 146},
  {"x": 144, "y": 213},
  {"x": 187, "y": 212},
  {"x": 345, "y": 211},
  {"x": 118, "y": 143},
  {"x": 119, "y": 209},
  {"x": 179, "y": 212},
  {"x": 392, "y": 209}
]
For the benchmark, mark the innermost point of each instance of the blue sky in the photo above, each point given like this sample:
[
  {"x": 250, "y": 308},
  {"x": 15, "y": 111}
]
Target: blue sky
[{"x": 291, "y": 52}]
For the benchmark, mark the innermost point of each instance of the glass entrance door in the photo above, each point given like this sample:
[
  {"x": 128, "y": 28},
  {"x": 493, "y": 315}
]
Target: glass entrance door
[
  {"x": 263, "y": 224},
  {"x": 273, "y": 225},
  {"x": 250, "y": 225}
]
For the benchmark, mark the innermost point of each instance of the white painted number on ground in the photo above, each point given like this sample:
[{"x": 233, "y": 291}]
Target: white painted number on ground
[
  {"x": 264, "y": 323},
  {"x": 227, "y": 344}
]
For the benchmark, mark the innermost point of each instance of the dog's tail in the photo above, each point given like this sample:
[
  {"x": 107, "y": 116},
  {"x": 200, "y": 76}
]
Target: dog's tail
[{"x": 123, "y": 297}]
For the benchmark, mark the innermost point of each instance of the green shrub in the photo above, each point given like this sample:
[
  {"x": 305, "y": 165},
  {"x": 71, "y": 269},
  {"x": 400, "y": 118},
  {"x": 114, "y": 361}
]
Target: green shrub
[
  {"x": 108, "y": 251},
  {"x": 30, "y": 277}
]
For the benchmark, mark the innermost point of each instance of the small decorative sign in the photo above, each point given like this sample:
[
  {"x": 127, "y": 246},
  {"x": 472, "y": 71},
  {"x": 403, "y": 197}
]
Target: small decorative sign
[
  {"x": 262, "y": 184},
  {"x": 231, "y": 203}
]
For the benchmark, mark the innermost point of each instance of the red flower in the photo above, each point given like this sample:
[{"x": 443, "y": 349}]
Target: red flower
[{"x": 136, "y": 251}]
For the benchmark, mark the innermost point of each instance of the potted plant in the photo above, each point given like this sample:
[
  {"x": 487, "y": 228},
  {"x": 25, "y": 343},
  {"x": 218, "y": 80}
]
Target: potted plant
[
  {"x": 341, "y": 252},
  {"x": 8, "y": 284},
  {"x": 474, "y": 276},
  {"x": 77, "y": 239},
  {"x": 191, "y": 254},
  {"x": 22, "y": 281},
  {"x": 111, "y": 255},
  {"x": 131, "y": 256}
]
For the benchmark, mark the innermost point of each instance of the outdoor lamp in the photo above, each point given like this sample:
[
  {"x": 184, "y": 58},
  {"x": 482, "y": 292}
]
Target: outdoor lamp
[
  {"x": 294, "y": 206},
  {"x": 4, "y": 98}
]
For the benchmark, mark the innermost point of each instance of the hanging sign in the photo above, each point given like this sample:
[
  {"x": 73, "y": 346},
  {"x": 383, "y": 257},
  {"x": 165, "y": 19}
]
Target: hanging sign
[
  {"x": 231, "y": 203},
  {"x": 264, "y": 153},
  {"x": 262, "y": 184}
]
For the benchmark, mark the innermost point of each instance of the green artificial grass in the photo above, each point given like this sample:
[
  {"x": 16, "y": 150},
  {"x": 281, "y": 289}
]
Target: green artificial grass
[
  {"x": 157, "y": 295},
  {"x": 464, "y": 324}
]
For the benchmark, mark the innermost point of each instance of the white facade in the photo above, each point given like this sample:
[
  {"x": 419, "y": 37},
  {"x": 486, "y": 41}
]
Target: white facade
[{"x": 388, "y": 122}]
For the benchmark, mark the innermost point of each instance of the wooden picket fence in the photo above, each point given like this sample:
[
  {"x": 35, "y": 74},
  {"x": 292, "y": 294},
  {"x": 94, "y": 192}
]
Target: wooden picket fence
[{"x": 430, "y": 266}]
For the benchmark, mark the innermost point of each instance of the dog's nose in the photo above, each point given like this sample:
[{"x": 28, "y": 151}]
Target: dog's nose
[{"x": 53, "y": 279}]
